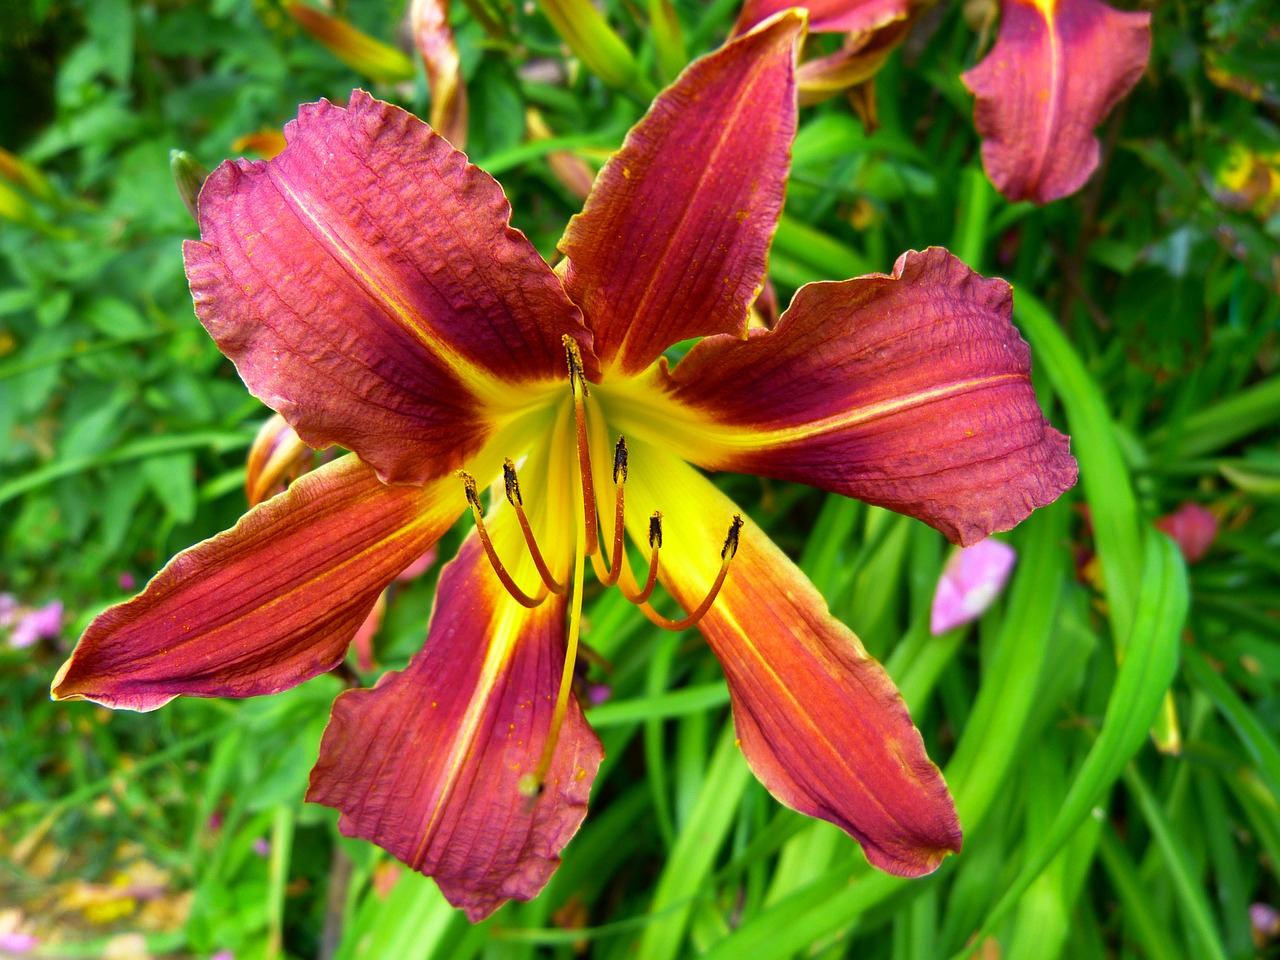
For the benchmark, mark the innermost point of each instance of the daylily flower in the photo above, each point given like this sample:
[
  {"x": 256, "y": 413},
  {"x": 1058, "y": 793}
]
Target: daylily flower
[
  {"x": 429, "y": 23},
  {"x": 369, "y": 287},
  {"x": 1192, "y": 527},
  {"x": 1056, "y": 70},
  {"x": 873, "y": 29},
  {"x": 265, "y": 143},
  {"x": 971, "y": 580},
  {"x": 277, "y": 457}
]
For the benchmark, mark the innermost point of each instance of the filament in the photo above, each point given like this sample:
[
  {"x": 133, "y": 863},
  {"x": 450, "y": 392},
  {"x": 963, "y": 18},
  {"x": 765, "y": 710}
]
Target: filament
[
  {"x": 517, "y": 502},
  {"x": 628, "y": 587},
  {"x": 578, "y": 385},
  {"x": 473, "y": 498},
  {"x": 608, "y": 576},
  {"x": 727, "y": 554}
]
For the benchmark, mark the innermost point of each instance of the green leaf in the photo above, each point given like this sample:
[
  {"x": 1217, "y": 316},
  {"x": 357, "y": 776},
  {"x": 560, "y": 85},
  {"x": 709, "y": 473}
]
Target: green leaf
[
  {"x": 1104, "y": 476},
  {"x": 1262, "y": 746},
  {"x": 173, "y": 478},
  {"x": 1148, "y": 667},
  {"x": 685, "y": 876},
  {"x": 1194, "y": 907}
]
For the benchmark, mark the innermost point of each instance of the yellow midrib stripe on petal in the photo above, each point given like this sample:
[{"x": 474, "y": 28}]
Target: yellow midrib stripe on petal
[
  {"x": 641, "y": 409},
  {"x": 798, "y": 709},
  {"x": 464, "y": 369},
  {"x": 505, "y": 632},
  {"x": 875, "y": 411},
  {"x": 1047, "y": 8}
]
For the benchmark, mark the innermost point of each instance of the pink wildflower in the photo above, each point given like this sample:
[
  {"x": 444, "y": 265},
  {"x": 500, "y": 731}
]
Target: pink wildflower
[
  {"x": 971, "y": 580},
  {"x": 44, "y": 623}
]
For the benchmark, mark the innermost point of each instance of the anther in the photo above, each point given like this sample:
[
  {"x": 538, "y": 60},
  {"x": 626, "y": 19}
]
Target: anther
[
  {"x": 727, "y": 553},
  {"x": 512, "y": 483},
  {"x": 573, "y": 357},
  {"x": 609, "y": 576},
  {"x": 730, "y": 548},
  {"x": 473, "y": 499},
  {"x": 620, "y": 461},
  {"x": 655, "y": 544}
]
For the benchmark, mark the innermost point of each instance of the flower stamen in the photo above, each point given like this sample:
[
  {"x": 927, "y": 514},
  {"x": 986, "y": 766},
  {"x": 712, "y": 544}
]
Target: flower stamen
[
  {"x": 514, "y": 498},
  {"x": 578, "y": 384},
  {"x": 608, "y": 576},
  {"x": 531, "y": 785},
  {"x": 655, "y": 544},
  {"x": 727, "y": 553},
  {"x": 520, "y": 597}
]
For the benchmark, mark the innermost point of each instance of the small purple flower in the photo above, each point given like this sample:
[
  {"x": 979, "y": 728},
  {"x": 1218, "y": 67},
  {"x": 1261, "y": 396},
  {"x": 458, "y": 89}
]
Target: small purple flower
[
  {"x": 17, "y": 943},
  {"x": 971, "y": 580},
  {"x": 262, "y": 847},
  {"x": 1265, "y": 920},
  {"x": 8, "y": 608},
  {"x": 127, "y": 581},
  {"x": 42, "y": 624}
]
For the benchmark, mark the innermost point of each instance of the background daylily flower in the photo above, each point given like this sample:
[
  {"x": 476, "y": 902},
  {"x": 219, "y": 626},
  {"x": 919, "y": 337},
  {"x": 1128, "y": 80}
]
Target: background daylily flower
[
  {"x": 432, "y": 35},
  {"x": 30, "y": 625},
  {"x": 872, "y": 30},
  {"x": 1192, "y": 527},
  {"x": 368, "y": 286},
  {"x": 1056, "y": 70}
]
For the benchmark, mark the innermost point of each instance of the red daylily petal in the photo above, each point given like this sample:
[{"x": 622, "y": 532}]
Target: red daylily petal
[
  {"x": 1057, "y": 68},
  {"x": 672, "y": 242},
  {"x": 828, "y": 16},
  {"x": 428, "y": 763},
  {"x": 368, "y": 286},
  {"x": 819, "y": 721},
  {"x": 269, "y": 603},
  {"x": 911, "y": 391}
]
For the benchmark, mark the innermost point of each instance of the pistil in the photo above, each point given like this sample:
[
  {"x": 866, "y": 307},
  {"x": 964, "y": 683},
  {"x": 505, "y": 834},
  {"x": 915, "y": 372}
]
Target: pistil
[{"x": 531, "y": 784}]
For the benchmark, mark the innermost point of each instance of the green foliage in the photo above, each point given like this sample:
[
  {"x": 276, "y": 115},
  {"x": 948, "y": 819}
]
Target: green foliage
[{"x": 1109, "y": 728}]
